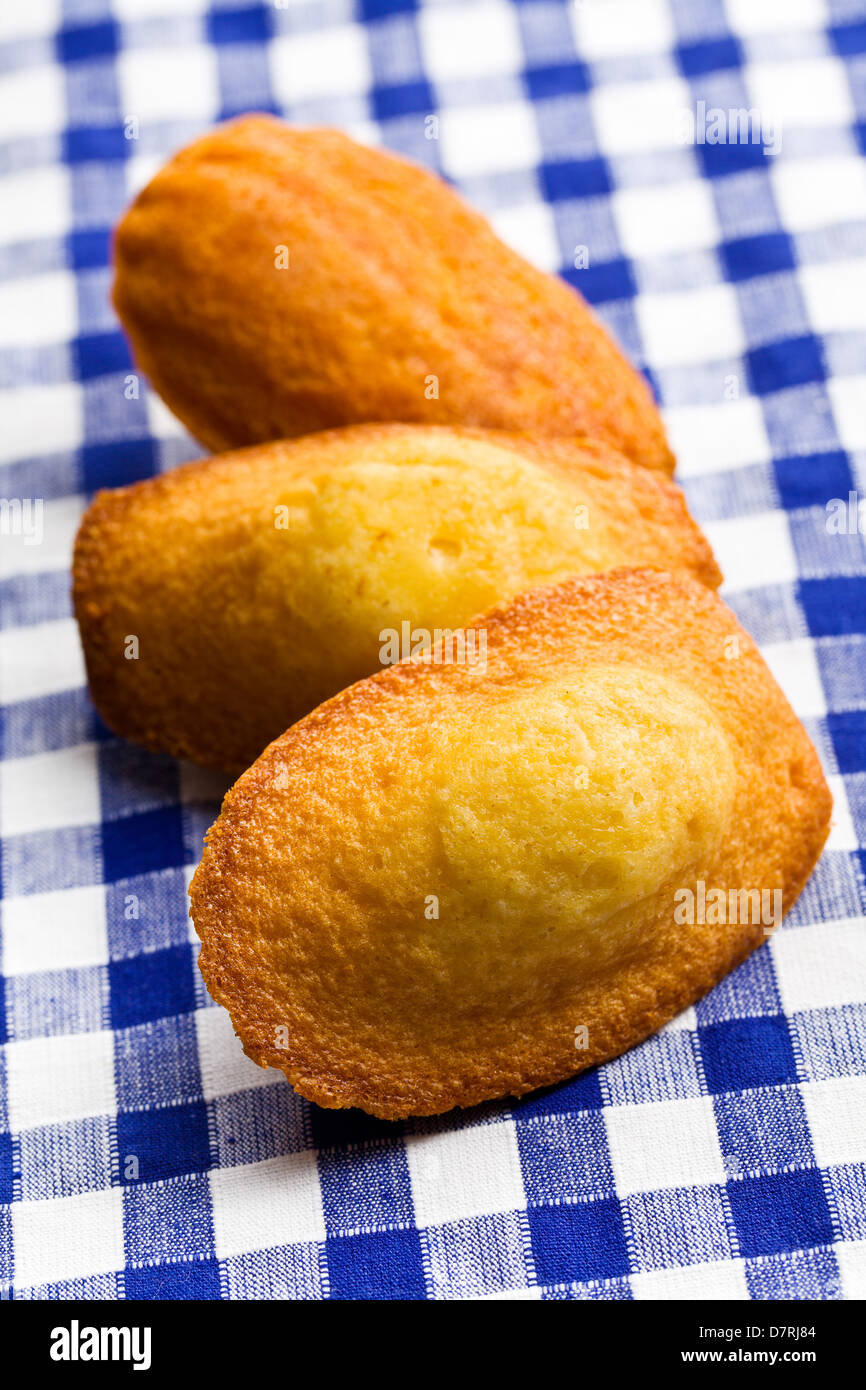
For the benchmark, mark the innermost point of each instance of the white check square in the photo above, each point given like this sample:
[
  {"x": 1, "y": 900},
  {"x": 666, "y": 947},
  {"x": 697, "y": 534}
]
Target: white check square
[
  {"x": 138, "y": 172},
  {"x": 809, "y": 93},
  {"x": 52, "y": 1080},
  {"x": 631, "y": 117},
  {"x": 35, "y": 204},
  {"x": 835, "y": 296},
  {"x": 753, "y": 550},
  {"x": 488, "y": 139},
  {"x": 691, "y": 326},
  {"x": 820, "y": 967},
  {"x": 40, "y": 660},
  {"x": 684, "y": 1022},
  {"x": 465, "y": 1173},
  {"x": 795, "y": 667},
  {"x": 671, "y": 1143},
  {"x": 68, "y": 1238},
  {"x": 163, "y": 425},
  {"x": 660, "y": 221},
  {"x": 851, "y": 1258},
  {"x": 225, "y": 1067},
  {"x": 836, "y": 1111},
  {"x": 693, "y": 1283},
  {"x": 305, "y": 66},
  {"x": 169, "y": 83},
  {"x": 531, "y": 232},
  {"x": 819, "y": 192},
  {"x": 842, "y": 835},
  {"x": 156, "y": 9},
  {"x": 54, "y": 931},
  {"x": 37, "y": 17},
  {"x": 43, "y": 539},
  {"x": 262, "y": 1205},
  {"x": 614, "y": 28},
  {"x": 32, "y": 102},
  {"x": 41, "y": 420},
  {"x": 715, "y": 437},
  {"x": 50, "y": 790},
  {"x": 37, "y": 310},
  {"x": 775, "y": 16},
  {"x": 848, "y": 400},
  {"x": 470, "y": 41}
]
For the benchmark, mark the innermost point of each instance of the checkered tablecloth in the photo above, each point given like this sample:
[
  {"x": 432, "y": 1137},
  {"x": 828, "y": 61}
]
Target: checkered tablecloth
[{"x": 141, "y": 1154}]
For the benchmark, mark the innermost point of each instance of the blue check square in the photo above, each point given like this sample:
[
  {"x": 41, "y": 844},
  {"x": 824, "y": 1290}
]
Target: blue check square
[
  {"x": 578, "y": 1241},
  {"x": 782, "y": 1211},
  {"x": 385, "y": 1265},
  {"x": 747, "y": 1052},
  {"x": 156, "y": 1144}
]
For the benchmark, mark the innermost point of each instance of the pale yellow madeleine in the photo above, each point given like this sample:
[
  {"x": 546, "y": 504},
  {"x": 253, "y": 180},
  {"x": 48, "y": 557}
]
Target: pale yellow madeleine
[
  {"x": 451, "y": 883},
  {"x": 260, "y": 583}
]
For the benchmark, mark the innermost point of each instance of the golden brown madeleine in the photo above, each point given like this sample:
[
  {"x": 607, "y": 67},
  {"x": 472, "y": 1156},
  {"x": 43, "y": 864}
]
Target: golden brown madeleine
[
  {"x": 452, "y": 883},
  {"x": 260, "y": 583},
  {"x": 275, "y": 281}
]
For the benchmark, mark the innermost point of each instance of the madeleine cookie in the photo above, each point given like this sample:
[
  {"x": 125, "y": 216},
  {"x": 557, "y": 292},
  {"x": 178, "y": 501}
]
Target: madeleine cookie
[
  {"x": 221, "y": 601},
  {"x": 274, "y": 281},
  {"x": 450, "y": 883}
]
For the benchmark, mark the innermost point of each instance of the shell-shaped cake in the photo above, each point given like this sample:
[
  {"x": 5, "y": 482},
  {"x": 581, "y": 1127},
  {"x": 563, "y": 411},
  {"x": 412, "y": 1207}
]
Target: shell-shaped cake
[
  {"x": 258, "y": 584},
  {"x": 462, "y": 880},
  {"x": 275, "y": 280}
]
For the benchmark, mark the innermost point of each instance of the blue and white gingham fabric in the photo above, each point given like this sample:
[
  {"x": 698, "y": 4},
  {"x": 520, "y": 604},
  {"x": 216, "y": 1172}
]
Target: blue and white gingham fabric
[{"x": 141, "y": 1154}]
